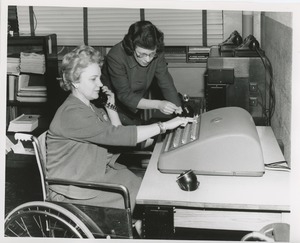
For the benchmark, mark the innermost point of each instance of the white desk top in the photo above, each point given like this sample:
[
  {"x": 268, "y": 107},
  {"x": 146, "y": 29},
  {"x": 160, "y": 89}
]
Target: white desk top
[{"x": 269, "y": 192}]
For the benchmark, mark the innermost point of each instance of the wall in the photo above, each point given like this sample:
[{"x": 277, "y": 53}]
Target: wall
[{"x": 276, "y": 40}]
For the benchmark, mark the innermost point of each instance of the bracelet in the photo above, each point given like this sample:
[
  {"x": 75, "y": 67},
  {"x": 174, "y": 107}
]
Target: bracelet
[
  {"x": 162, "y": 127},
  {"x": 111, "y": 106}
]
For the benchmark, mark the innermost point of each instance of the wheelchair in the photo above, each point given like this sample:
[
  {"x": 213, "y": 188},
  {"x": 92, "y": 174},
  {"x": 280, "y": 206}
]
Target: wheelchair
[{"x": 65, "y": 220}]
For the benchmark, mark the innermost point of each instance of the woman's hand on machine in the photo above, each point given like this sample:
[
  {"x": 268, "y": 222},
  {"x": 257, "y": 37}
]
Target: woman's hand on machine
[{"x": 177, "y": 121}]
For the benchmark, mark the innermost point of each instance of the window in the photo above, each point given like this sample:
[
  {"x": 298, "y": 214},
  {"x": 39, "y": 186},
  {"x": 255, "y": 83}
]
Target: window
[
  {"x": 107, "y": 26},
  {"x": 65, "y": 22},
  {"x": 180, "y": 27}
]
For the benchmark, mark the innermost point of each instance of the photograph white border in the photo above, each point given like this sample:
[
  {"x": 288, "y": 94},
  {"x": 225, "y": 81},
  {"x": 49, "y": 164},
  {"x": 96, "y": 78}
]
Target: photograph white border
[{"x": 281, "y": 6}]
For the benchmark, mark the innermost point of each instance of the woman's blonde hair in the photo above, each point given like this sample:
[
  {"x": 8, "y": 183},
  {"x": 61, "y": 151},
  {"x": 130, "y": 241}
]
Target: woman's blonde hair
[{"x": 73, "y": 63}]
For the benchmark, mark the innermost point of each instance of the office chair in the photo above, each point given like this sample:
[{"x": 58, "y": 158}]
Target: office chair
[{"x": 46, "y": 218}]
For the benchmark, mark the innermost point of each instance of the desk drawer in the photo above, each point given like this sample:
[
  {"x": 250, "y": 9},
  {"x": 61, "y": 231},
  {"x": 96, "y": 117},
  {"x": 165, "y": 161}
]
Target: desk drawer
[{"x": 227, "y": 220}]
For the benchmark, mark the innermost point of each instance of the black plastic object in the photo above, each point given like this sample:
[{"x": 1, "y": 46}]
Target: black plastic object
[
  {"x": 102, "y": 99},
  {"x": 187, "y": 110},
  {"x": 234, "y": 39},
  {"x": 187, "y": 181}
]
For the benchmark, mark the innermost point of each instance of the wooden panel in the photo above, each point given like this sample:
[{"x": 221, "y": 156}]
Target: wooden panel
[
  {"x": 226, "y": 220},
  {"x": 188, "y": 78}
]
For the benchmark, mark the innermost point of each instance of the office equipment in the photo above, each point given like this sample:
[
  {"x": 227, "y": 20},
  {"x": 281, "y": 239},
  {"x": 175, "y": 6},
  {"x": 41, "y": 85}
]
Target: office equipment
[
  {"x": 221, "y": 203},
  {"x": 187, "y": 181},
  {"x": 24, "y": 123},
  {"x": 197, "y": 54},
  {"x": 227, "y": 47},
  {"x": 248, "y": 47},
  {"x": 237, "y": 81},
  {"x": 223, "y": 141}
]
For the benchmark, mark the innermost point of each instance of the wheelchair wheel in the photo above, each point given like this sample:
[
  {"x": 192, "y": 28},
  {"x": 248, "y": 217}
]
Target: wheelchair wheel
[{"x": 44, "y": 219}]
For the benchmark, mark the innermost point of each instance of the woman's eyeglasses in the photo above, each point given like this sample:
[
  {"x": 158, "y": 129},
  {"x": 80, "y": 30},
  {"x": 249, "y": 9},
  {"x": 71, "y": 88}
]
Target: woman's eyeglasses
[{"x": 143, "y": 55}]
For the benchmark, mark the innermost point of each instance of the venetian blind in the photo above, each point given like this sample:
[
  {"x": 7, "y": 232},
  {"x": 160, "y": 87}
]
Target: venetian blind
[
  {"x": 185, "y": 27},
  {"x": 214, "y": 27},
  {"x": 23, "y": 18},
  {"x": 107, "y": 26},
  {"x": 65, "y": 22}
]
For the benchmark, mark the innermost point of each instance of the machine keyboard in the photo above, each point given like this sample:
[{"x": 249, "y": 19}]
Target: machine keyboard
[{"x": 183, "y": 135}]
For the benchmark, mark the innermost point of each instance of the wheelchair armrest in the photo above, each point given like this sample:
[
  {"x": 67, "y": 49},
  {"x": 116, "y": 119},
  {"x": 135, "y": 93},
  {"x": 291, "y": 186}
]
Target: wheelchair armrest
[{"x": 97, "y": 185}]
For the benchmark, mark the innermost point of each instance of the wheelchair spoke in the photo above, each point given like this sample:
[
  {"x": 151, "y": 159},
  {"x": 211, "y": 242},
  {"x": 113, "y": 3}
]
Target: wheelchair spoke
[
  {"x": 10, "y": 230},
  {"x": 26, "y": 229},
  {"x": 43, "y": 219},
  {"x": 39, "y": 224}
]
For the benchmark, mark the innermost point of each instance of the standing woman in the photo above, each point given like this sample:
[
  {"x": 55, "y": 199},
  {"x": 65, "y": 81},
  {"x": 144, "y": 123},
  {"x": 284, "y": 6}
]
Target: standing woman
[
  {"x": 82, "y": 137},
  {"x": 130, "y": 67}
]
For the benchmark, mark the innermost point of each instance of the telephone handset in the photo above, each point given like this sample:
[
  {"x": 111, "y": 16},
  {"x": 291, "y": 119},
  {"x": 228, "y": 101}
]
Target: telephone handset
[
  {"x": 231, "y": 43},
  {"x": 237, "y": 40},
  {"x": 102, "y": 99},
  {"x": 248, "y": 48},
  {"x": 234, "y": 39},
  {"x": 249, "y": 43}
]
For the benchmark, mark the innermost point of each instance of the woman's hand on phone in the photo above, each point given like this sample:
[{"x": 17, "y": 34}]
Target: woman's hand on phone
[{"x": 110, "y": 94}]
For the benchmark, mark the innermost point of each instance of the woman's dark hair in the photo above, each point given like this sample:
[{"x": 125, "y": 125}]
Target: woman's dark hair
[
  {"x": 73, "y": 63},
  {"x": 143, "y": 34}
]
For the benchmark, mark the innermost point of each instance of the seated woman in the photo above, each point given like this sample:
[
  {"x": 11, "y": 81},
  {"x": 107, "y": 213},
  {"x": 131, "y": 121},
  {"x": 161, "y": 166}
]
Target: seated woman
[{"x": 82, "y": 137}]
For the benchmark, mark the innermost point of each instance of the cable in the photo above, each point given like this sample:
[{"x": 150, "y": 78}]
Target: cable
[
  {"x": 268, "y": 67},
  {"x": 35, "y": 20},
  {"x": 264, "y": 111}
]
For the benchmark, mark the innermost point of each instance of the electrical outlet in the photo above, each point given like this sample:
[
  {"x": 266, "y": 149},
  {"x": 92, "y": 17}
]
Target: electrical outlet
[
  {"x": 253, "y": 101},
  {"x": 253, "y": 87}
]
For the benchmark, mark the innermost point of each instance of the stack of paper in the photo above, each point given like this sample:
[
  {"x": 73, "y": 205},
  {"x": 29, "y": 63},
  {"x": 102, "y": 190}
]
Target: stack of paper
[
  {"x": 30, "y": 93},
  {"x": 32, "y": 63},
  {"x": 24, "y": 123},
  {"x": 13, "y": 65}
]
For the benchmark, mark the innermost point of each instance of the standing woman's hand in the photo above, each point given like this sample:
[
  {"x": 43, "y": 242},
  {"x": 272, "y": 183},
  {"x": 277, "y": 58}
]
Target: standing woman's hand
[{"x": 167, "y": 107}]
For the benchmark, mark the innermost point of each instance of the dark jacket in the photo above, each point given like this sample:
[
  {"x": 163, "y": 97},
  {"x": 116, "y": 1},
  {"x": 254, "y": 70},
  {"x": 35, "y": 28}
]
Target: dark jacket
[{"x": 130, "y": 81}]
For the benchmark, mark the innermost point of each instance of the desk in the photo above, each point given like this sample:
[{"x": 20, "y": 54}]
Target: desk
[{"x": 220, "y": 202}]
